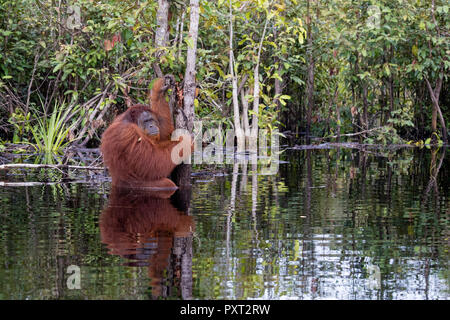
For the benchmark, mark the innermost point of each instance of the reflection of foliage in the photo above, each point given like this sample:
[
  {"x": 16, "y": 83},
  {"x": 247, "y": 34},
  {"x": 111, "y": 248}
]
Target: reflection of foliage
[
  {"x": 67, "y": 228},
  {"x": 380, "y": 220},
  {"x": 329, "y": 224},
  {"x": 401, "y": 166}
]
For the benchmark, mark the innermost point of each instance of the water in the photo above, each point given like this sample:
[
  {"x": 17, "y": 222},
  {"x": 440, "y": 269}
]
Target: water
[{"x": 332, "y": 224}]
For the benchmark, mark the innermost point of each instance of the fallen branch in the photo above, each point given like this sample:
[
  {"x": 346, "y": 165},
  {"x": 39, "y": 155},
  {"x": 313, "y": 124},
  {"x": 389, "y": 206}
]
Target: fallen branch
[
  {"x": 351, "y": 145},
  {"x": 353, "y": 134},
  {"x": 46, "y": 166},
  {"x": 37, "y": 183},
  {"x": 25, "y": 184}
]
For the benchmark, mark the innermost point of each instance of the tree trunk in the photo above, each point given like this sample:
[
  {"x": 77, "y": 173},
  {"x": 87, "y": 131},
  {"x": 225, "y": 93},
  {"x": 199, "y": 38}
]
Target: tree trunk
[
  {"x": 383, "y": 102},
  {"x": 161, "y": 34},
  {"x": 391, "y": 86},
  {"x": 365, "y": 119},
  {"x": 309, "y": 76},
  {"x": 338, "y": 114},
  {"x": 189, "y": 77},
  {"x": 434, "y": 93},
  {"x": 278, "y": 83},
  {"x": 433, "y": 118},
  {"x": 162, "y": 20},
  {"x": 278, "y": 88},
  {"x": 256, "y": 94},
  {"x": 245, "y": 121},
  {"x": 236, "y": 115},
  {"x": 185, "y": 118}
]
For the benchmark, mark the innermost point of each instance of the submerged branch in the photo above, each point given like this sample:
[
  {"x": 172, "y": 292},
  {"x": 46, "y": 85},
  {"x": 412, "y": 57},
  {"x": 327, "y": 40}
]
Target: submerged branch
[
  {"x": 46, "y": 166},
  {"x": 25, "y": 184}
]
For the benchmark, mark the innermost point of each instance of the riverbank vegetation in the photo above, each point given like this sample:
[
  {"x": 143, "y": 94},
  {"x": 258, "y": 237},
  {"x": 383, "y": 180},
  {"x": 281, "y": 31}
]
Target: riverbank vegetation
[{"x": 335, "y": 70}]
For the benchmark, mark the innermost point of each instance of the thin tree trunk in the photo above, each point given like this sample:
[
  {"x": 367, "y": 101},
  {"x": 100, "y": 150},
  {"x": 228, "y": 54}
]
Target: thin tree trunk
[
  {"x": 358, "y": 93},
  {"x": 36, "y": 60},
  {"x": 330, "y": 111},
  {"x": 278, "y": 88},
  {"x": 189, "y": 77},
  {"x": 256, "y": 91},
  {"x": 278, "y": 83},
  {"x": 365, "y": 119},
  {"x": 185, "y": 120},
  {"x": 245, "y": 121},
  {"x": 434, "y": 93},
  {"x": 162, "y": 20},
  {"x": 436, "y": 109},
  {"x": 310, "y": 76},
  {"x": 338, "y": 114},
  {"x": 383, "y": 103},
  {"x": 433, "y": 116},
  {"x": 391, "y": 87},
  {"x": 237, "y": 122},
  {"x": 180, "y": 39},
  {"x": 162, "y": 16}
]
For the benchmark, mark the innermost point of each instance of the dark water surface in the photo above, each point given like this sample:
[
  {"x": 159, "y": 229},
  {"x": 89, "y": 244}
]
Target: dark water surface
[{"x": 332, "y": 224}]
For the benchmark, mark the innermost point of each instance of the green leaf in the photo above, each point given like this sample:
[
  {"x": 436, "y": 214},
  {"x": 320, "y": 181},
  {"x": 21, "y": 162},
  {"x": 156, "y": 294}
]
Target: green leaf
[
  {"x": 387, "y": 70},
  {"x": 57, "y": 67},
  {"x": 277, "y": 76},
  {"x": 422, "y": 25},
  {"x": 298, "y": 80},
  {"x": 189, "y": 42},
  {"x": 364, "y": 52}
]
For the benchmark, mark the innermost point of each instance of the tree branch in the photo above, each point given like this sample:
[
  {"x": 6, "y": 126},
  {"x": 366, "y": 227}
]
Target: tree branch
[{"x": 46, "y": 166}]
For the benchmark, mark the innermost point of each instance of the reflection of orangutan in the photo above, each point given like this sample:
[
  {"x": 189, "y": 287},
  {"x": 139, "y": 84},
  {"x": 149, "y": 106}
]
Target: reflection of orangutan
[
  {"x": 133, "y": 152},
  {"x": 150, "y": 231}
]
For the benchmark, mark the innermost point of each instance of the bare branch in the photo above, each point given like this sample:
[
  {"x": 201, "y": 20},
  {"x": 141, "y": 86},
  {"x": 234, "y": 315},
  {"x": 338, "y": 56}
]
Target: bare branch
[{"x": 45, "y": 166}]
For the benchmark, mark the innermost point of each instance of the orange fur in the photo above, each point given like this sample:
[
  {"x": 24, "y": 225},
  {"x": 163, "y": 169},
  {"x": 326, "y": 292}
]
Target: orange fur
[
  {"x": 134, "y": 158},
  {"x": 160, "y": 106}
]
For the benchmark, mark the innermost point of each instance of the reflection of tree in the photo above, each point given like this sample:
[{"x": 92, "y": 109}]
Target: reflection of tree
[
  {"x": 238, "y": 192},
  {"x": 255, "y": 197},
  {"x": 308, "y": 245},
  {"x": 434, "y": 171},
  {"x": 432, "y": 184},
  {"x": 231, "y": 209},
  {"x": 152, "y": 232}
]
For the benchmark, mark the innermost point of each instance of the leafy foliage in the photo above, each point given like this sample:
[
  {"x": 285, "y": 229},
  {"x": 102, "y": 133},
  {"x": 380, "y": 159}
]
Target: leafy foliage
[{"x": 371, "y": 59}]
